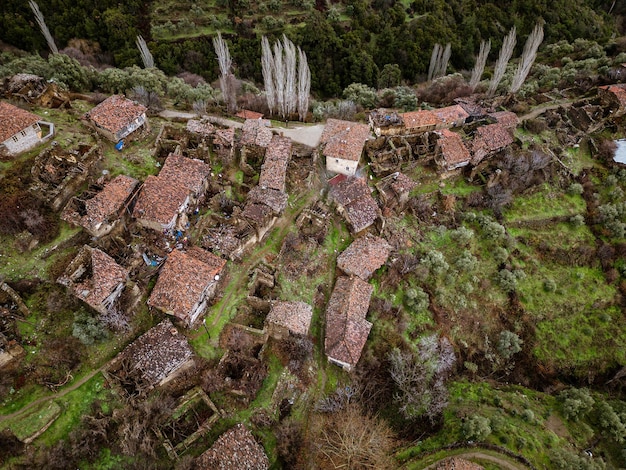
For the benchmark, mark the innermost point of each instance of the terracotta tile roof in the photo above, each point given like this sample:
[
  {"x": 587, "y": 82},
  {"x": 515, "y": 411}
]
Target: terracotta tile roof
[
  {"x": 364, "y": 256},
  {"x": 453, "y": 150},
  {"x": 344, "y": 139},
  {"x": 346, "y": 327},
  {"x": 295, "y": 316},
  {"x": 455, "y": 463},
  {"x": 489, "y": 139},
  {"x": 257, "y": 214},
  {"x": 402, "y": 184},
  {"x": 224, "y": 136},
  {"x": 236, "y": 449},
  {"x": 470, "y": 105},
  {"x": 108, "y": 201},
  {"x": 204, "y": 128},
  {"x": 115, "y": 113},
  {"x": 255, "y": 132},
  {"x": 618, "y": 90},
  {"x": 506, "y": 118},
  {"x": 247, "y": 114},
  {"x": 419, "y": 119},
  {"x": 355, "y": 197},
  {"x": 274, "y": 168},
  {"x": 103, "y": 276},
  {"x": 13, "y": 120},
  {"x": 274, "y": 199},
  {"x": 157, "y": 353},
  {"x": 183, "y": 279},
  {"x": 162, "y": 196},
  {"x": 451, "y": 115}
]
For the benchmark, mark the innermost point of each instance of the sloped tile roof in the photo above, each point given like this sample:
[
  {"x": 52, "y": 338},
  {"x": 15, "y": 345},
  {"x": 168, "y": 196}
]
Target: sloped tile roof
[
  {"x": 354, "y": 195},
  {"x": 247, "y": 114},
  {"x": 13, "y": 120},
  {"x": 254, "y": 132},
  {"x": 274, "y": 168},
  {"x": 364, "y": 256},
  {"x": 346, "y": 327},
  {"x": 402, "y": 184},
  {"x": 108, "y": 201},
  {"x": 203, "y": 128},
  {"x": 453, "y": 149},
  {"x": 257, "y": 214},
  {"x": 344, "y": 139},
  {"x": 488, "y": 139},
  {"x": 451, "y": 114},
  {"x": 115, "y": 113},
  {"x": 419, "y": 119},
  {"x": 295, "y": 316},
  {"x": 507, "y": 118},
  {"x": 274, "y": 199},
  {"x": 158, "y": 353},
  {"x": 161, "y": 196},
  {"x": 224, "y": 136},
  {"x": 619, "y": 90},
  {"x": 236, "y": 449},
  {"x": 183, "y": 279},
  {"x": 349, "y": 190}
]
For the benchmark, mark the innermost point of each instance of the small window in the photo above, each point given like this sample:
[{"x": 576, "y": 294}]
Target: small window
[
  {"x": 337, "y": 160},
  {"x": 347, "y": 168},
  {"x": 23, "y": 133},
  {"x": 15, "y": 138}
]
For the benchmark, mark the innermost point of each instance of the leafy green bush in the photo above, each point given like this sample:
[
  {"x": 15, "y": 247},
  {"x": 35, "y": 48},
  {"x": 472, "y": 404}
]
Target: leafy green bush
[
  {"x": 500, "y": 255},
  {"x": 466, "y": 262},
  {"x": 610, "y": 422},
  {"x": 509, "y": 343},
  {"x": 462, "y": 235},
  {"x": 87, "y": 328},
  {"x": 361, "y": 94},
  {"x": 506, "y": 280},
  {"x": 435, "y": 262},
  {"x": 576, "y": 402},
  {"x": 575, "y": 188},
  {"x": 476, "y": 428},
  {"x": 416, "y": 299}
]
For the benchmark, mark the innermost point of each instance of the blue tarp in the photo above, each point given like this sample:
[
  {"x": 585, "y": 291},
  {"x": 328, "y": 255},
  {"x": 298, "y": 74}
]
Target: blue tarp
[{"x": 119, "y": 146}]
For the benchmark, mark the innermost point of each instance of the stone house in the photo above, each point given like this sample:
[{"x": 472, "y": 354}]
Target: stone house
[
  {"x": 346, "y": 327},
  {"x": 342, "y": 145},
  {"x": 354, "y": 201},
  {"x": 395, "y": 189},
  {"x": 364, "y": 256},
  {"x": 117, "y": 117},
  {"x": 255, "y": 138},
  {"x": 155, "y": 358},
  {"x": 450, "y": 152},
  {"x": 236, "y": 449},
  {"x": 450, "y": 116},
  {"x": 164, "y": 200},
  {"x": 506, "y": 118},
  {"x": 100, "y": 214},
  {"x": 186, "y": 283},
  {"x": 20, "y": 130},
  {"x": 385, "y": 122},
  {"x": 417, "y": 122},
  {"x": 288, "y": 318},
  {"x": 614, "y": 98},
  {"x": 224, "y": 144},
  {"x": 274, "y": 169},
  {"x": 95, "y": 278},
  {"x": 488, "y": 140}
]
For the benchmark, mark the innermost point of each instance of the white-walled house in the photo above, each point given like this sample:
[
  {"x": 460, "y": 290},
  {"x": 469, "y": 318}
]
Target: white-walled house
[
  {"x": 342, "y": 145},
  {"x": 21, "y": 130},
  {"x": 117, "y": 117}
]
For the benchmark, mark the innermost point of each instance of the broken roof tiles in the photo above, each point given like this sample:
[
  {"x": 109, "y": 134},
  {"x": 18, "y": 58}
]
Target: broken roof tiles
[
  {"x": 617, "y": 90},
  {"x": 14, "y": 120},
  {"x": 507, "y": 118},
  {"x": 346, "y": 327},
  {"x": 236, "y": 449},
  {"x": 200, "y": 127},
  {"x": 255, "y": 132},
  {"x": 344, "y": 139},
  {"x": 183, "y": 280},
  {"x": 402, "y": 184},
  {"x": 364, "y": 256},
  {"x": 162, "y": 196},
  {"x": 158, "y": 353},
  {"x": 454, "y": 152},
  {"x": 115, "y": 113},
  {"x": 354, "y": 197},
  {"x": 489, "y": 139},
  {"x": 420, "y": 120},
  {"x": 455, "y": 463},
  {"x": 451, "y": 116},
  {"x": 274, "y": 199},
  {"x": 274, "y": 168},
  {"x": 224, "y": 137},
  {"x": 295, "y": 316}
]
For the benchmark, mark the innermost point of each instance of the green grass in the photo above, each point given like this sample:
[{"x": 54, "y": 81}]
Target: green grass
[
  {"x": 27, "y": 425},
  {"x": 545, "y": 202},
  {"x": 563, "y": 235}
]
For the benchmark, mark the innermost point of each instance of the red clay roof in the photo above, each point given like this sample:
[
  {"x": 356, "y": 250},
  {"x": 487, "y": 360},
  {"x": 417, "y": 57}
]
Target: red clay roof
[
  {"x": 453, "y": 150},
  {"x": 236, "y": 449},
  {"x": 295, "y": 316},
  {"x": 402, "y": 184},
  {"x": 364, "y": 256},
  {"x": 355, "y": 197},
  {"x": 619, "y": 90},
  {"x": 247, "y": 114},
  {"x": 161, "y": 196},
  {"x": 224, "y": 136},
  {"x": 108, "y": 201},
  {"x": 183, "y": 279},
  {"x": 200, "y": 127},
  {"x": 507, "y": 118},
  {"x": 254, "y": 132},
  {"x": 451, "y": 114},
  {"x": 489, "y": 139},
  {"x": 274, "y": 199},
  {"x": 419, "y": 119},
  {"x": 346, "y": 327},
  {"x": 344, "y": 139},
  {"x": 274, "y": 168},
  {"x": 13, "y": 120},
  {"x": 115, "y": 113}
]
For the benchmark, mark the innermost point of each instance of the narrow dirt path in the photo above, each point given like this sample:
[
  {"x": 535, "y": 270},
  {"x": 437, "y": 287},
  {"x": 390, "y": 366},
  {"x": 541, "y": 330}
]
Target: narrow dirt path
[
  {"x": 545, "y": 107},
  {"x": 500, "y": 461}
]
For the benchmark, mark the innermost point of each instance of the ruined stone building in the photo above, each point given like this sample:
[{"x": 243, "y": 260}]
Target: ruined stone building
[
  {"x": 186, "y": 283},
  {"x": 488, "y": 140},
  {"x": 100, "y": 214},
  {"x": 450, "y": 152},
  {"x": 353, "y": 200},
  {"x": 346, "y": 327},
  {"x": 21, "y": 130},
  {"x": 614, "y": 98},
  {"x": 450, "y": 116},
  {"x": 255, "y": 138},
  {"x": 395, "y": 189},
  {"x": 95, "y": 278},
  {"x": 364, "y": 256},
  {"x": 416, "y": 122},
  {"x": 164, "y": 200},
  {"x": 342, "y": 145},
  {"x": 117, "y": 117},
  {"x": 288, "y": 318},
  {"x": 236, "y": 449}
]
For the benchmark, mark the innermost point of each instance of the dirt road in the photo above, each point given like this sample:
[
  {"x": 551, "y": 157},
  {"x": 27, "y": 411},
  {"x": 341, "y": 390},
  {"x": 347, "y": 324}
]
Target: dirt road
[{"x": 501, "y": 462}]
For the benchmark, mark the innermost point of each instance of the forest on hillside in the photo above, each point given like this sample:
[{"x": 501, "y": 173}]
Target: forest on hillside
[{"x": 346, "y": 42}]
